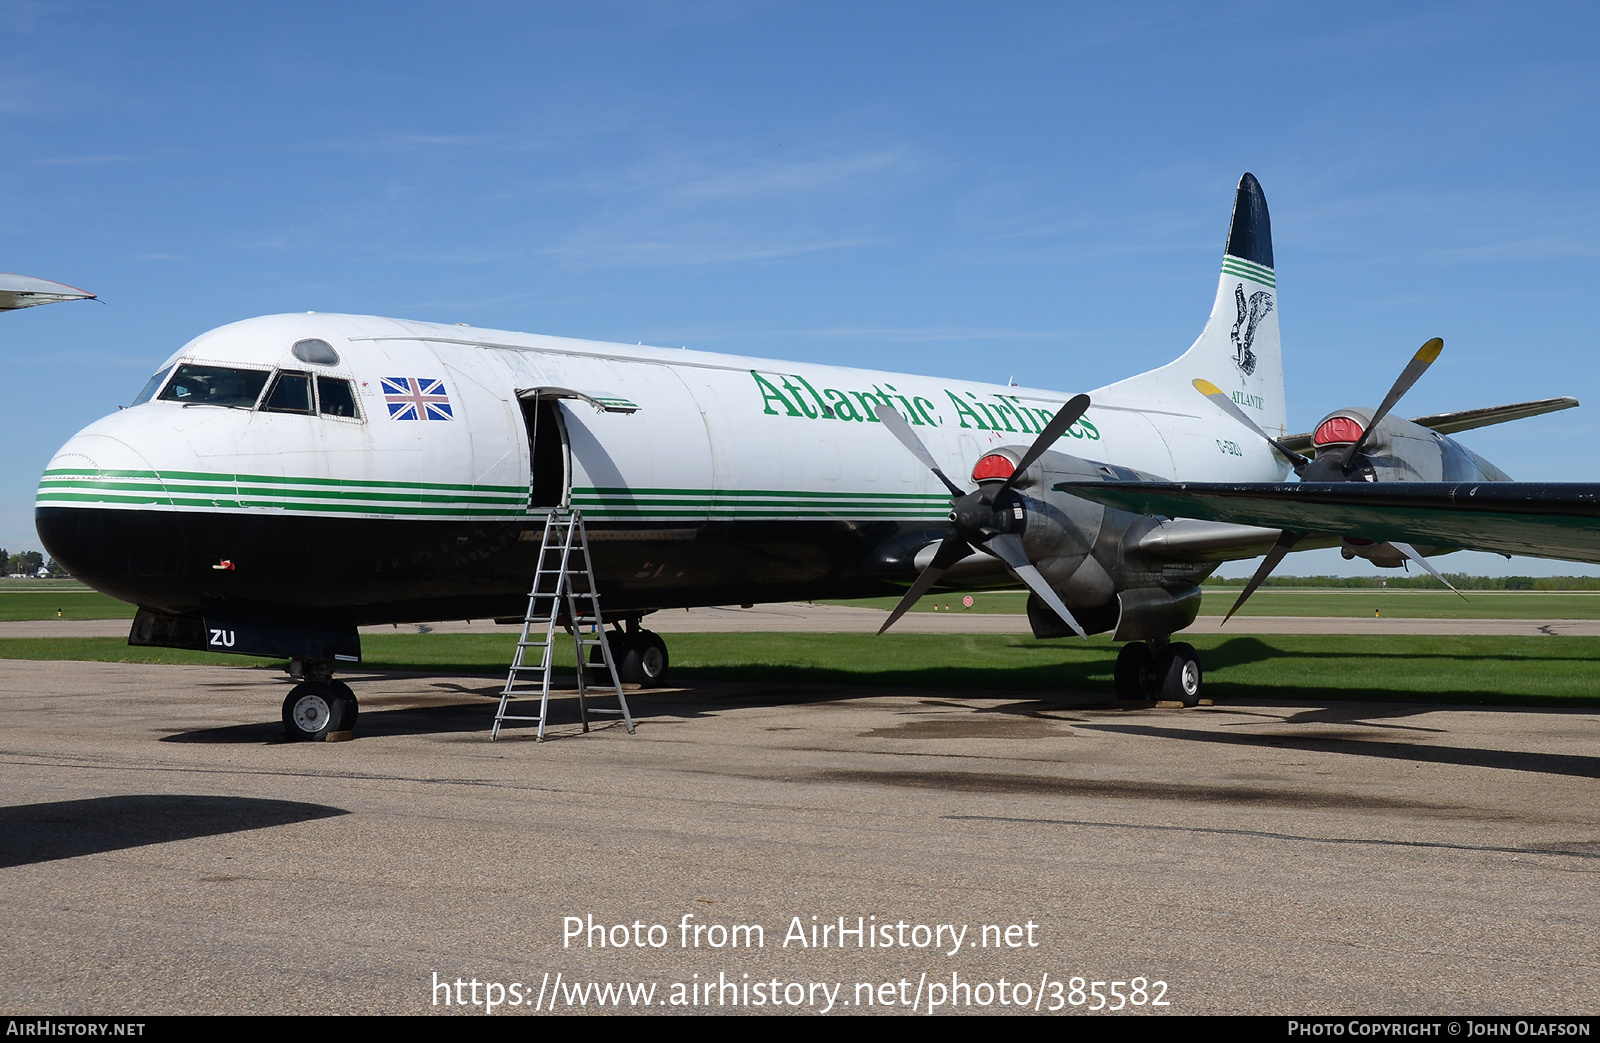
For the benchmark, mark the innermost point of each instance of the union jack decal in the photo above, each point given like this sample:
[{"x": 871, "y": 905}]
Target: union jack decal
[{"x": 411, "y": 398}]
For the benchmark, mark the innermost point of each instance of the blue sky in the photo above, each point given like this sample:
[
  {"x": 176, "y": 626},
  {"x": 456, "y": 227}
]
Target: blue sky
[{"x": 966, "y": 190}]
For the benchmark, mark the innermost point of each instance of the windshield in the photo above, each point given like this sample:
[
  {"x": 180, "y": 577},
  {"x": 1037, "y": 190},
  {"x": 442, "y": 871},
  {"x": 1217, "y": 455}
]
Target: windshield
[
  {"x": 291, "y": 393},
  {"x": 215, "y": 386},
  {"x": 150, "y": 387}
]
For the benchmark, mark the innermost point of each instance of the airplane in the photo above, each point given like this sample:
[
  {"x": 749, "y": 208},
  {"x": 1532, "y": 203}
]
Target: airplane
[
  {"x": 24, "y": 291},
  {"x": 281, "y": 481}
]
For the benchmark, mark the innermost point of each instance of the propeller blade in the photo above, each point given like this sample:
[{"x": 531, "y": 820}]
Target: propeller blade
[
  {"x": 900, "y": 429},
  {"x": 952, "y": 550},
  {"x": 1411, "y": 552},
  {"x": 1008, "y": 548},
  {"x": 1065, "y": 417},
  {"x": 1228, "y": 406},
  {"x": 1285, "y": 544},
  {"x": 1410, "y": 375}
]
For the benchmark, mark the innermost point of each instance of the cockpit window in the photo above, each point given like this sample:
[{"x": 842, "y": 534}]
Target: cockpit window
[
  {"x": 291, "y": 393},
  {"x": 151, "y": 387},
  {"x": 335, "y": 397},
  {"x": 215, "y": 386}
]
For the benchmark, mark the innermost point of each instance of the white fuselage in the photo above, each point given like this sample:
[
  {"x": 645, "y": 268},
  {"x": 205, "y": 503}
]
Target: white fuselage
[
  {"x": 713, "y": 436},
  {"x": 358, "y": 469}
]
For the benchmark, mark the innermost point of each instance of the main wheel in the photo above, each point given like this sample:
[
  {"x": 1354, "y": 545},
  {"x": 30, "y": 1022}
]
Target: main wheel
[
  {"x": 352, "y": 707},
  {"x": 1133, "y": 663},
  {"x": 643, "y": 660},
  {"x": 1180, "y": 680},
  {"x": 618, "y": 642},
  {"x": 314, "y": 709}
]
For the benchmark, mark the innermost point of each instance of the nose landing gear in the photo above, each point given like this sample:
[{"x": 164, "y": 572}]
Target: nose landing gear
[
  {"x": 318, "y": 707},
  {"x": 1151, "y": 670}
]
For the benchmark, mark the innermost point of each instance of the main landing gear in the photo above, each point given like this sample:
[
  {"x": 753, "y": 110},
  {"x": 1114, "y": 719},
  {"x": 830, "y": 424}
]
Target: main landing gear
[
  {"x": 1169, "y": 671},
  {"x": 318, "y": 706},
  {"x": 640, "y": 655}
]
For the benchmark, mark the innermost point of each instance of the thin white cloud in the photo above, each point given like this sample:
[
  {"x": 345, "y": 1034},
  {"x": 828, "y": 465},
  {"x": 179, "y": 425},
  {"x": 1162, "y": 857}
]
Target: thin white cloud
[
  {"x": 712, "y": 181},
  {"x": 685, "y": 250},
  {"x": 85, "y": 161}
]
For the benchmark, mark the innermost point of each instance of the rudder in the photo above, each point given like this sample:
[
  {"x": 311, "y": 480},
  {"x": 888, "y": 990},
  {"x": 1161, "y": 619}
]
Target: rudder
[{"x": 1239, "y": 350}]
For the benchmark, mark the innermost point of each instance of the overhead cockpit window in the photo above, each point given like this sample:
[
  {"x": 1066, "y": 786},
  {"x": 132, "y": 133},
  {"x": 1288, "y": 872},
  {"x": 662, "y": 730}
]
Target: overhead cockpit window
[
  {"x": 291, "y": 393},
  {"x": 316, "y": 352},
  {"x": 151, "y": 387},
  {"x": 335, "y": 397},
  {"x": 214, "y": 386}
]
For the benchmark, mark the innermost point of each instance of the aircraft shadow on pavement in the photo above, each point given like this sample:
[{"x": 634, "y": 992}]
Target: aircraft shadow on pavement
[
  {"x": 1510, "y": 760},
  {"x": 66, "y": 829},
  {"x": 1240, "y": 651},
  {"x": 423, "y": 714}
]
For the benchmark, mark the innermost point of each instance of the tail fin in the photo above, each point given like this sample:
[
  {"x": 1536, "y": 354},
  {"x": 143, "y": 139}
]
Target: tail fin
[{"x": 1239, "y": 350}]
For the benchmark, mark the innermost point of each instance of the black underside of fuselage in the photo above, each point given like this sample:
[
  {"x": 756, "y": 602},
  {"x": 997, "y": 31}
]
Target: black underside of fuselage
[{"x": 355, "y": 571}]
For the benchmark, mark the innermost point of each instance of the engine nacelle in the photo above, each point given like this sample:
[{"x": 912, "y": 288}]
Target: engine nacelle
[
  {"x": 1383, "y": 555},
  {"x": 1397, "y": 451},
  {"x": 1087, "y": 551},
  {"x": 1136, "y": 615}
]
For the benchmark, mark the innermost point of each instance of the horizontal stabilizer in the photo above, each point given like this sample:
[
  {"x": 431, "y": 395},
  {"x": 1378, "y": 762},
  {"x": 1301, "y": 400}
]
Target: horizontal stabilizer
[{"x": 1558, "y": 520}]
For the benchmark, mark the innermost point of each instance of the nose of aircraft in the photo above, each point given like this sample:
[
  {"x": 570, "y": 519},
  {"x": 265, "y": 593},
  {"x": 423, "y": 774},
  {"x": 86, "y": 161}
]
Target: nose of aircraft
[{"x": 88, "y": 496}]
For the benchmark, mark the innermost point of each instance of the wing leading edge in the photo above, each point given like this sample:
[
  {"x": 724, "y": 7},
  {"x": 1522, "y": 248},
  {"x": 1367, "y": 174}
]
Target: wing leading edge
[
  {"x": 24, "y": 291},
  {"x": 1542, "y": 520}
]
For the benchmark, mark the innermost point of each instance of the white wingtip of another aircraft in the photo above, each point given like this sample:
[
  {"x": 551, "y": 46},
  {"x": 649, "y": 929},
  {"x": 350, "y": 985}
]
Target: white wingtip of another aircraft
[{"x": 23, "y": 291}]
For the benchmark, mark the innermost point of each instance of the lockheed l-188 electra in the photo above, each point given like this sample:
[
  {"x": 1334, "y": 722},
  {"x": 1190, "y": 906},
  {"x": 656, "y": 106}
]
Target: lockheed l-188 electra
[{"x": 283, "y": 480}]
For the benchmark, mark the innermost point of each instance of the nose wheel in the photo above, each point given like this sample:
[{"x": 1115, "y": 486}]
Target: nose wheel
[
  {"x": 1170, "y": 673},
  {"x": 315, "y": 709}
]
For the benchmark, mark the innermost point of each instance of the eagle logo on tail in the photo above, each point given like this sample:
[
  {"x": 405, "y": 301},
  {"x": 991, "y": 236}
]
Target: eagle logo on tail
[{"x": 1251, "y": 312}]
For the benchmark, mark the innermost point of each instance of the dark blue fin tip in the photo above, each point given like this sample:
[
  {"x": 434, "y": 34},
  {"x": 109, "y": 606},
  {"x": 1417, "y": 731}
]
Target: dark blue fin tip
[{"x": 1250, "y": 236}]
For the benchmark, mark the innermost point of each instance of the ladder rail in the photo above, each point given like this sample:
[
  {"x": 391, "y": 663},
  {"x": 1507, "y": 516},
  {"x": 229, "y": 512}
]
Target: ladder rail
[{"x": 564, "y": 534}]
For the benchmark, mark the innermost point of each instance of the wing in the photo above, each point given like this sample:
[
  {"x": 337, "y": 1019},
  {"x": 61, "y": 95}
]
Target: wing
[
  {"x": 1470, "y": 419},
  {"x": 1462, "y": 420},
  {"x": 22, "y": 291},
  {"x": 1541, "y": 520}
]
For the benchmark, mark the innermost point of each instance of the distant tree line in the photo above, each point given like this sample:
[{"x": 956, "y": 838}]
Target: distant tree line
[
  {"x": 27, "y": 563},
  {"x": 1460, "y": 580}
]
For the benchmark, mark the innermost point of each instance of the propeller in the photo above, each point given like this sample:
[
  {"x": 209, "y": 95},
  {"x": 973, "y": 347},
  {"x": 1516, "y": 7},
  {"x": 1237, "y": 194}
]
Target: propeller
[
  {"x": 981, "y": 519},
  {"x": 1334, "y": 466},
  {"x": 1411, "y": 553},
  {"x": 1328, "y": 467},
  {"x": 1226, "y": 404},
  {"x": 1285, "y": 544},
  {"x": 1410, "y": 375}
]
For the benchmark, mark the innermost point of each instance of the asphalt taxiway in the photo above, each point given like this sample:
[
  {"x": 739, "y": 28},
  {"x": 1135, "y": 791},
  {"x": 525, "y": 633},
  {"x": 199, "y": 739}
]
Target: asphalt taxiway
[{"x": 160, "y": 852}]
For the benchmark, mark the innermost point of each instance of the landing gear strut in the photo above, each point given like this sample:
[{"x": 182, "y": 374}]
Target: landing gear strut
[
  {"x": 319, "y": 705},
  {"x": 1159, "y": 670}
]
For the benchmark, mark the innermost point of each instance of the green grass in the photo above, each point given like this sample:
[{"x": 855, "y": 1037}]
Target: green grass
[
  {"x": 1399, "y": 604},
  {"x": 42, "y": 599},
  {"x": 45, "y": 598},
  {"x": 1518, "y": 671}
]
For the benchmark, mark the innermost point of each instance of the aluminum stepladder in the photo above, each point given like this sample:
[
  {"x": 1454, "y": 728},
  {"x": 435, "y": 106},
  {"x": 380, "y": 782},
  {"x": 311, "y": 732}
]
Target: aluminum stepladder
[{"x": 563, "y": 580}]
